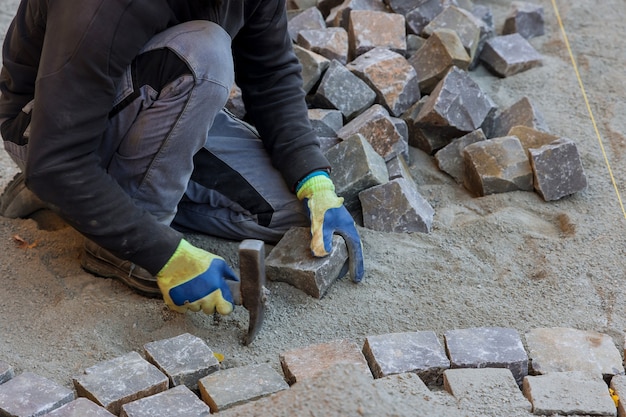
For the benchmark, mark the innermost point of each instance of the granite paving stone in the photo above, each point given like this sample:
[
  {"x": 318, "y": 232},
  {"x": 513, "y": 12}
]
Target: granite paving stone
[
  {"x": 29, "y": 395},
  {"x": 557, "y": 169},
  {"x": 177, "y": 401},
  {"x": 497, "y": 165},
  {"x": 487, "y": 347},
  {"x": 378, "y": 127},
  {"x": 567, "y": 393},
  {"x": 230, "y": 387},
  {"x": 291, "y": 261},
  {"x": 184, "y": 359},
  {"x": 508, "y": 55},
  {"x": 325, "y": 122},
  {"x": 304, "y": 363},
  {"x": 396, "y": 207},
  {"x": 342, "y": 90},
  {"x": 419, "y": 17},
  {"x": 420, "y": 353},
  {"x": 464, "y": 23},
  {"x": 313, "y": 67},
  {"x": 80, "y": 407},
  {"x": 440, "y": 52},
  {"x": 493, "y": 387},
  {"x": 530, "y": 137},
  {"x": 355, "y": 167},
  {"x": 390, "y": 76},
  {"x": 309, "y": 18},
  {"x": 115, "y": 382},
  {"x": 339, "y": 16},
  {"x": 331, "y": 43},
  {"x": 408, "y": 388},
  {"x": 562, "y": 349},
  {"x": 369, "y": 29},
  {"x": 525, "y": 18},
  {"x": 450, "y": 159},
  {"x": 521, "y": 113}
]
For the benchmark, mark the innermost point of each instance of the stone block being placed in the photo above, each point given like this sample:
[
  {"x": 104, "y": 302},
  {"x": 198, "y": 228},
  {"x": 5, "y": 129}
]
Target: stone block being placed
[
  {"x": 487, "y": 387},
  {"x": 509, "y": 55},
  {"x": 440, "y": 52},
  {"x": 326, "y": 122},
  {"x": 450, "y": 159},
  {"x": 234, "y": 386},
  {"x": 420, "y": 353},
  {"x": 379, "y": 129},
  {"x": 497, "y": 165},
  {"x": 115, "y": 382},
  {"x": 557, "y": 169},
  {"x": 396, "y": 207},
  {"x": 487, "y": 347},
  {"x": 308, "y": 19},
  {"x": 342, "y": 90},
  {"x": 464, "y": 23},
  {"x": 80, "y": 407},
  {"x": 331, "y": 43},
  {"x": 355, "y": 167},
  {"x": 390, "y": 76},
  {"x": 369, "y": 29},
  {"x": 6, "y": 372},
  {"x": 313, "y": 66},
  {"x": 566, "y": 393},
  {"x": 558, "y": 349},
  {"x": 178, "y": 401},
  {"x": 524, "y": 18},
  {"x": 29, "y": 394},
  {"x": 520, "y": 113},
  {"x": 307, "y": 362},
  {"x": 291, "y": 261},
  {"x": 184, "y": 359}
]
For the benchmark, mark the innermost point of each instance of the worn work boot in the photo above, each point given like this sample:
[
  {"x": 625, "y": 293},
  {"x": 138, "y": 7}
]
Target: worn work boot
[
  {"x": 18, "y": 201},
  {"x": 103, "y": 263}
]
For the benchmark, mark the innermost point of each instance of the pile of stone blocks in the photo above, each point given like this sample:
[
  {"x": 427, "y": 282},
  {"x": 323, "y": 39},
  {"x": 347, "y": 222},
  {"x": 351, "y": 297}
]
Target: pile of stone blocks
[
  {"x": 385, "y": 75},
  {"x": 563, "y": 371}
]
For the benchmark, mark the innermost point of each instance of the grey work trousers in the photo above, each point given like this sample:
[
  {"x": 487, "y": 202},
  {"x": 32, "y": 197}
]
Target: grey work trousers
[{"x": 178, "y": 154}]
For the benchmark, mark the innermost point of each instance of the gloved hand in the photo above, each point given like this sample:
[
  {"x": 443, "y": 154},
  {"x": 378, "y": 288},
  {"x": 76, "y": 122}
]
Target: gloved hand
[
  {"x": 328, "y": 216},
  {"x": 194, "y": 279}
]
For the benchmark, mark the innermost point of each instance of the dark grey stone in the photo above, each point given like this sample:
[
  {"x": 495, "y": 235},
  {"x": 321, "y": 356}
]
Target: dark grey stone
[
  {"x": 420, "y": 16},
  {"x": 464, "y": 23},
  {"x": 80, "y": 407},
  {"x": 355, "y": 167},
  {"x": 313, "y": 66},
  {"x": 29, "y": 394},
  {"x": 557, "y": 169},
  {"x": 509, "y": 55},
  {"x": 326, "y": 122},
  {"x": 178, "y": 401},
  {"x": 184, "y": 359},
  {"x": 291, "y": 261},
  {"x": 331, "y": 43},
  {"x": 342, "y": 90},
  {"x": 6, "y": 372},
  {"x": 521, "y": 113},
  {"x": 310, "y": 18},
  {"x": 487, "y": 347},
  {"x": 416, "y": 352},
  {"x": 379, "y": 129},
  {"x": 450, "y": 158},
  {"x": 120, "y": 380},
  {"x": 396, "y": 207},
  {"x": 524, "y": 18}
]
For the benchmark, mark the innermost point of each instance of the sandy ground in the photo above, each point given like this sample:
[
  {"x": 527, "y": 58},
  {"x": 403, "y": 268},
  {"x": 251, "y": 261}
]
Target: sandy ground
[{"x": 508, "y": 260}]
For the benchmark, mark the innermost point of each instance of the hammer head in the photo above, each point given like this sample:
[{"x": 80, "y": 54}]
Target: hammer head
[{"x": 250, "y": 291}]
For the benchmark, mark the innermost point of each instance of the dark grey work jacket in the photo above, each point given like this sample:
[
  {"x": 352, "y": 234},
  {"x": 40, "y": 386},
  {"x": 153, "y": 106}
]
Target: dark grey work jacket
[{"x": 71, "y": 55}]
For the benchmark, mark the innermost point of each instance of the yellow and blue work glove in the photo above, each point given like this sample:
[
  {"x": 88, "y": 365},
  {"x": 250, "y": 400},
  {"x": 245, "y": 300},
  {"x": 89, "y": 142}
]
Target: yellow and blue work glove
[
  {"x": 194, "y": 279},
  {"x": 328, "y": 216}
]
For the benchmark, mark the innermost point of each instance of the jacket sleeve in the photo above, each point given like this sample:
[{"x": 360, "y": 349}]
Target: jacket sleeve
[
  {"x": 269, "y": 75},
  {"x": 82, "y": 57}
]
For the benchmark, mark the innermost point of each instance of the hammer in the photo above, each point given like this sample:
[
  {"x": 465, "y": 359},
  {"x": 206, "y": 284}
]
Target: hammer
[{"x": 250, "y": 291}]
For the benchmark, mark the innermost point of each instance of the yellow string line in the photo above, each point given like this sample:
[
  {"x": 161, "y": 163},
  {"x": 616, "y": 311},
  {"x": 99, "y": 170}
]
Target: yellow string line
[{"x": 593, "y": 120}]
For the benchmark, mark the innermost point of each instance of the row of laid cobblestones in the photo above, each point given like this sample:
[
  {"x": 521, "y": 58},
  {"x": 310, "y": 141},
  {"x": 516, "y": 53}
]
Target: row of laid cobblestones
[{"x": 561, "y": 371}]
